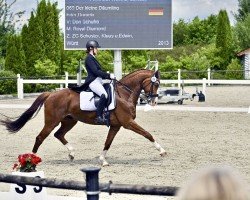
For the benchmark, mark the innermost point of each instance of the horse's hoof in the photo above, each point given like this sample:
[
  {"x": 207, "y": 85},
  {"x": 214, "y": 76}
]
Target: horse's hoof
[
  {"x": 163, "y": 153},
  {"x": 105, "y": 164}
]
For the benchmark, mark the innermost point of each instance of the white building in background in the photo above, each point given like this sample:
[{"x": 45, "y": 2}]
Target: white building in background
[{"x": 245, "y": 58}]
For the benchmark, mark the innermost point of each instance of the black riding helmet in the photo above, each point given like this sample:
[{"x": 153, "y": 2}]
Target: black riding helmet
[{"x": 92, "y": 44}]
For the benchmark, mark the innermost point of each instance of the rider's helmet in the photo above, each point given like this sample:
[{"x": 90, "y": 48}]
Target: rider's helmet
[{"x": 92, "y": 44}]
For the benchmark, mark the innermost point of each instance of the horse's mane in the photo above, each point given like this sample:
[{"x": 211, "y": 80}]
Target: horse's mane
[{"x": 132, "y": 74}]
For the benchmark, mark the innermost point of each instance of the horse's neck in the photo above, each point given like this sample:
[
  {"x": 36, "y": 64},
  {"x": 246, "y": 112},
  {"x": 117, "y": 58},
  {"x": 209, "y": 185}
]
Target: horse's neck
[
  {"x": 135, "y": 85},
  {"x": 135, "y": 94}
]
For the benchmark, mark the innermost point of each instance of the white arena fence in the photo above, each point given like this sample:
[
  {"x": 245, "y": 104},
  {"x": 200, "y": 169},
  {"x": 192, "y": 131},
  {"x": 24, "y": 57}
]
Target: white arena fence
[
  {"x": 62, "y": 82},
  {"x": 179, "y": 82}
]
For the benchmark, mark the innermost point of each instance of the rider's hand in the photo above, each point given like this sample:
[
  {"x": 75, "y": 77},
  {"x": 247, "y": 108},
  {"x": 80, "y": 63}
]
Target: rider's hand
[{"x": 112, "y": 76}]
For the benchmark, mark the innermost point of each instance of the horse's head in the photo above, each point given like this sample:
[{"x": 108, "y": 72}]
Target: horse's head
[{"x": 150, "y": 86}]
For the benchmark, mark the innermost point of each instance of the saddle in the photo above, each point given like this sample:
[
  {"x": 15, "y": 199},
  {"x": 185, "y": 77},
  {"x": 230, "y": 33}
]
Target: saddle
[{"x": 89, "y": 100}]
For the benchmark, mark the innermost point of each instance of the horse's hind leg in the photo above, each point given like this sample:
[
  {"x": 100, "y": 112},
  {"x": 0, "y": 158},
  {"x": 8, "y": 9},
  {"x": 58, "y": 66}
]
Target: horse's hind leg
[
  {"x": 111, "y": 135},
  {"x": 138, "y": 129},
  {"x": 66, "y": 125},
  {"x": 48, "y": 127}
]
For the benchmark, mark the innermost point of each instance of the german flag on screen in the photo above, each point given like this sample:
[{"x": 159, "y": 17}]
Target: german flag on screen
[{"x": 155, "y": 11}]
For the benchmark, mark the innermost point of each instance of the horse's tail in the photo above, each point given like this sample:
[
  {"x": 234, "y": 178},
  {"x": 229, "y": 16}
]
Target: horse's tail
[{"x": 14, "y": 126}]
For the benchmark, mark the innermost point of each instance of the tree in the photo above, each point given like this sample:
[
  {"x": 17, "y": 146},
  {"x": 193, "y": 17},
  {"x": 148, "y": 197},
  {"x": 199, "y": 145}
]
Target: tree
[
  {"x": 106, "y": 60},
  {"x": 6, "y": 86},
  {"x": 70, "y": 61},
  {"x": 210, "y": 24},
  {"x": 41, "y": 37},
  {"x": 224, "y": 38},
  {"x": 57, "y": 36},
  {"x": 7, "y": 23},
  {"x": 45, "y": 67},
  {"x": 234, "y": 70},
  {"x": 15, "y": 58},
  {"x": 20, "y": 56},
  {"x": 169, "y": 65},
  {"x": 243, "y": 10},
  {"x": 10, "y": 60},
  {"x": 33, "y": 44},
  {"x": 195, "y": 32},
  {"x": 48, "y": 15},
  {"x": 49, "y": 32},
  {"x": 136, "y": 59},
  {"x": 242, "y": 30},
  {"x": 180, "y": 32},
  {"x": 25, "y": 38}
]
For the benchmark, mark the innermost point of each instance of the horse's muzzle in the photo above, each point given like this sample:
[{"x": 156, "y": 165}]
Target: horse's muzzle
[{"x": 153, "y": 101}]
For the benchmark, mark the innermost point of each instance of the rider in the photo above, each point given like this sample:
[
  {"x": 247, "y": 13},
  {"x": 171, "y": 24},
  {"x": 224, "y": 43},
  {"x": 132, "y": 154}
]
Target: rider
[{"x": 94, "y": 78}]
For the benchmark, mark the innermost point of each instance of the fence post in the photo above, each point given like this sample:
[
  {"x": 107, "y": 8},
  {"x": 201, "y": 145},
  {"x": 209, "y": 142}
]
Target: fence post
[
  {"x": 204, "y": 86},
  {"x": 92, "y": 182},
  {"x": 179, "y": 78},
  {"x": 79, "y": 73},
  {"x": 156, "y": 65},
  {"x": 208, "y": 76},
  {"x": 19, "y": 87},
  {"x": 66, "y": 79}
]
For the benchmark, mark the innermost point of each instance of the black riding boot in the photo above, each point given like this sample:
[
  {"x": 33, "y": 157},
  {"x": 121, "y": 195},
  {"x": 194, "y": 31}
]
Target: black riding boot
[{"x": 99, "y": 112}]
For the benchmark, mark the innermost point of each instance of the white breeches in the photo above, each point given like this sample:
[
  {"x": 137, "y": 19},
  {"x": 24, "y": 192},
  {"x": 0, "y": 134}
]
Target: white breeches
[{"x": 97, "y": 87}]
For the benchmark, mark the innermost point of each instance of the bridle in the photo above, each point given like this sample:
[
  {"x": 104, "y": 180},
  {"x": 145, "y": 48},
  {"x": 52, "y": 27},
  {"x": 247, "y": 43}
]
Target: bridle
[{"x": 148, "y": 96}]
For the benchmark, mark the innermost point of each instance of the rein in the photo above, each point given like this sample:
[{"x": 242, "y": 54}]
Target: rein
[
  {"x": 147, "y": 96},
  {"x": 124, "y": 86}
]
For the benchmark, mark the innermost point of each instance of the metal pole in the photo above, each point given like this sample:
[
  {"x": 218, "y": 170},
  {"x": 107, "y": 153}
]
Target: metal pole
[
  {"x": 92, "y": 182},
  {"x": 204, "y": 86},
  {"x": 79, "y": 73},
  {"x": 148, "y": 64},
  {"x": 118, "y": 64},
  {"x": 179, "y": 78},
  {"x": 19, "y": 87},
  {"x": 208, "y": 76},
  {"x": 66, "y": 79},
  {"x": 156, "y": 65},
  {"x": 80, "y": 186}
]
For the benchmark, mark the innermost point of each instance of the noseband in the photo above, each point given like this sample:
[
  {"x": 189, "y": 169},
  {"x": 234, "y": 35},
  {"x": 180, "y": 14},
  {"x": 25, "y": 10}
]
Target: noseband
[{"x": 149, "y": 96}]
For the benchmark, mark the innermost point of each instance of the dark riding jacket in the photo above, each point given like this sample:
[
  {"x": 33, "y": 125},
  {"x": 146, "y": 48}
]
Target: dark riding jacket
[{"x": 94, "y": 70}]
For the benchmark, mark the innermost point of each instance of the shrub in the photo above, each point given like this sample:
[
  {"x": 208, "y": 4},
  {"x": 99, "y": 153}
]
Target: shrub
[
  {"x": 234, "y": 70},
  {"x": 8, "y": 82}
]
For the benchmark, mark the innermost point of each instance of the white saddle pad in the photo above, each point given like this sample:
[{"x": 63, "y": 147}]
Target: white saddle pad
[{"x": 87, "y": 101}]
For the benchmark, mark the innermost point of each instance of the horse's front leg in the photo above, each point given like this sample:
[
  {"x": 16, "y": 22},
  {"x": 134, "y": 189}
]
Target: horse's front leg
[
  {"x": 138, "y": 129},
  {"x": 111, "y": 135}
]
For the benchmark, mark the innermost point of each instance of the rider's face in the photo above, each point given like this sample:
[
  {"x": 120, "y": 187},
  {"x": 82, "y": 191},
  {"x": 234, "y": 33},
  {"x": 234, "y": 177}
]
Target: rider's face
[{"x": 95, "y": 50}]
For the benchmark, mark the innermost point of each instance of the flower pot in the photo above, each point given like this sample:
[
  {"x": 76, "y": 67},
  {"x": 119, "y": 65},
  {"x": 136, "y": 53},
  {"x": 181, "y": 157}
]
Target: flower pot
[{"x": 28, "y": 192}]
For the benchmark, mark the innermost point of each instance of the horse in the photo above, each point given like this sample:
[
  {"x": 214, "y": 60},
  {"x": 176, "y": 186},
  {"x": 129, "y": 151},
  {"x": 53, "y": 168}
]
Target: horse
[{"x": 63, "y": 107}]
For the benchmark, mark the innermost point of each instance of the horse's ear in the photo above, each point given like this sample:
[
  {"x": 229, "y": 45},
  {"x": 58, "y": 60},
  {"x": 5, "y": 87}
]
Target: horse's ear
[{"x": 157, "y": 74}]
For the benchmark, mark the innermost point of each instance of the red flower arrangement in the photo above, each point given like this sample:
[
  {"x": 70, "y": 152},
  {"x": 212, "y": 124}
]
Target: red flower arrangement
[{"x": 27, "y": 162}]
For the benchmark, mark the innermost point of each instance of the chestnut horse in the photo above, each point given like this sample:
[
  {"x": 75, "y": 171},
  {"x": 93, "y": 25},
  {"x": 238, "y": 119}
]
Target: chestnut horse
[{"x": 63, "y": 107}]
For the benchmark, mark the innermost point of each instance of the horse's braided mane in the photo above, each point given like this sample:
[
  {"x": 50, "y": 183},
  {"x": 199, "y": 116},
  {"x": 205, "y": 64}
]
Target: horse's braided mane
[{"x": 133, "y": 74}]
